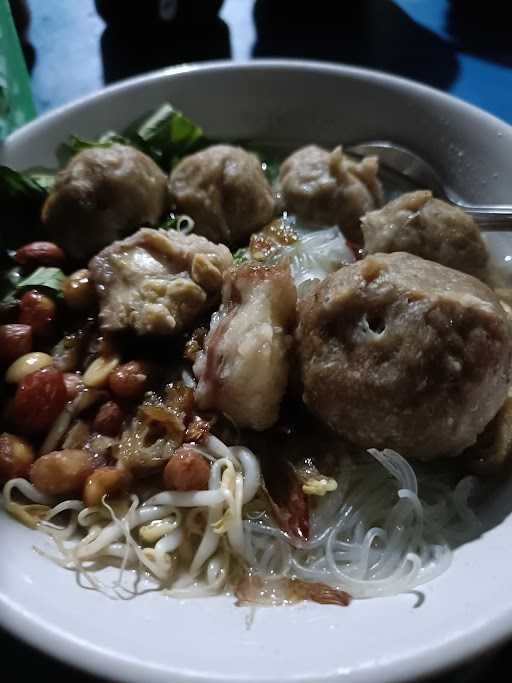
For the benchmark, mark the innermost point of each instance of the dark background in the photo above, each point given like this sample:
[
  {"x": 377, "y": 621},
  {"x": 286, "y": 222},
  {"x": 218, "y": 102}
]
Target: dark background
[{"x": 461, "y": 46}]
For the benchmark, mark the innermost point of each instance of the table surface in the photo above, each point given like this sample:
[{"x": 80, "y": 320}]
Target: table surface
[{"x": 460, "y": 46}]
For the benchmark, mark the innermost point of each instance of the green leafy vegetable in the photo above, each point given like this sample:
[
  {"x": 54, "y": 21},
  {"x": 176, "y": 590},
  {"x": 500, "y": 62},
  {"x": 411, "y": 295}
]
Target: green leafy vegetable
[
  {"x": 18, "y": 186},
  {"x": 166, "y": 136},
  {"x": 43, "y": 177},
  {"x": 75, "y": 144},
  {"x": 13, "y": 285},
  {"x": 43, "y": 278},
  {"x": 179, "y": 222},
  {"x": 169, "y": 222},
  {"x": 21, "y": 199},
  {"x": 241, "y": 256}
]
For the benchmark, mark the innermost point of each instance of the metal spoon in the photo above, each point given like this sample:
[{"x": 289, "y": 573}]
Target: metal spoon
[{"x": 406, "y": 163}]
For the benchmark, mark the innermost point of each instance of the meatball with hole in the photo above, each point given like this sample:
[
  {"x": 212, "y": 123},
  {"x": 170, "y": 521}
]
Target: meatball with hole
[
  {"x": 224, "y": 190},
  {"x": 101, "y": 195},
  {"x": 403, "y": 353}
]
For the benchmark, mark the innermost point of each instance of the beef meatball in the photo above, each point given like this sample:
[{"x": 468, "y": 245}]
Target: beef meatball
[
  {"x": 427, "y": 227},
  {"x": 243, "y": 370},
  {"x": 158, "y": 281},
  {"x": 327, "y": 188},
  {"x": 225, "y": 191},
  {"x": 404, "y": 353},
  {"x": 102, "y": 194}
]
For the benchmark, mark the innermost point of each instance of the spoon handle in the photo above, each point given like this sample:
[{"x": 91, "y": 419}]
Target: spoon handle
[{"x": 493, "y": 218}]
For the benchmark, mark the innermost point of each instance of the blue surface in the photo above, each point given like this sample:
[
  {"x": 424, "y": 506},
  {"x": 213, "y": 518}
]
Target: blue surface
[
  {"x": 483, "y": 79},
  {"x": 461, "y": 46}
]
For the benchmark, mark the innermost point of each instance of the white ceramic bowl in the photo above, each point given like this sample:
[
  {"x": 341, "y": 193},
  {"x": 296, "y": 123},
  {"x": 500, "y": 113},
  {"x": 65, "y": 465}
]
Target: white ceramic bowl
[{"x": 155, "y": 639}]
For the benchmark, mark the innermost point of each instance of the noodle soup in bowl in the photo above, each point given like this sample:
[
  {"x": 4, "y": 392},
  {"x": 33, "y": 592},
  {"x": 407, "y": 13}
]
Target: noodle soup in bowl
[{"x": 386, "y": 527}]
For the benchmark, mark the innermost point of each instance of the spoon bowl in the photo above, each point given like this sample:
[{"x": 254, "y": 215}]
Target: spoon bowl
[{"x": 419, "y": 172}]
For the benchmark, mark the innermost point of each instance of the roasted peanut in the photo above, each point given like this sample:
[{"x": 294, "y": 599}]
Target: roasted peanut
[
  {"x": 61, "y": 472},
  {"x": 38, "y": 311},
  {"x": 15, "y": 341},
  {"x": 78, "y": 290},
  {"x": 187, "y": 470},
  {"x": 39, "y": 399},
  {"x": 129, "y": 380},
  {"x": 109, "y": 419},
  {"x": 41, "y": 254},
  {"x": 73, "y": 383},
  {"x": 26, "y": 365},
  {"x": 16, "y": 457},
  {"x": 98, "y": 373},
  {"x": 103, "y": 482}
]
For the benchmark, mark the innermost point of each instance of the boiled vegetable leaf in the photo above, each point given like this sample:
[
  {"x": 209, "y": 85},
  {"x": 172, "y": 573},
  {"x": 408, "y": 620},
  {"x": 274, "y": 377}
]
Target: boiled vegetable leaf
[
  {"x": 166, "y": 136},
  {"x": 13, "y": 285},
  {"x": 43, "y": 177},
  {"x": 21, "y": 199},
  {"x": 19, "y": 186},
  {"x": 170, "y": 222},
  {"x": 241, "y": 256},
  {"x": 75, "y": 144},
  {"x": 43, "y": 278}
]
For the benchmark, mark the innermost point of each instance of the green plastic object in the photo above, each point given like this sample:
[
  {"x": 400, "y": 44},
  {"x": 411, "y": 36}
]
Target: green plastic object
[{"x": 16, "y": 103}]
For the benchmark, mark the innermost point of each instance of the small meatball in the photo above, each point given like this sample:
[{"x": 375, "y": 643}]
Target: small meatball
[
  {"x": 187, "y": 470},
  {"x": 243, "y": 371},
  {"x": 101, "y": 195},
  {"x": 61, "y": 472},
  {"x": 427, "y": 227},
  {"x": 327, "y": 188},
  {"x": 225, "y": 191},
  {"x": 158, "y": 281},
  {"x": 399, "y": 352},
  {"x": 16, "y": 457}
]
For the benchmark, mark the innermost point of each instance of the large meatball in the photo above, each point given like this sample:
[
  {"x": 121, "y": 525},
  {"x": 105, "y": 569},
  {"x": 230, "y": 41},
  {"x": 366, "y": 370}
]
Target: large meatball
[
  {"x": 427, "y": 227},
  {"x": 327, "y": 188},
  {"x": 225, "y": 191},
  {"x": 404, "y": 353},
  {"x": 101, "y": 195}
]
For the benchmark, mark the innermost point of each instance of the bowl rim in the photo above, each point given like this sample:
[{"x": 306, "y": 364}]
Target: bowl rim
[
  {"x": 371, "y": 75},
  {"x": 69, "y": 649}
]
